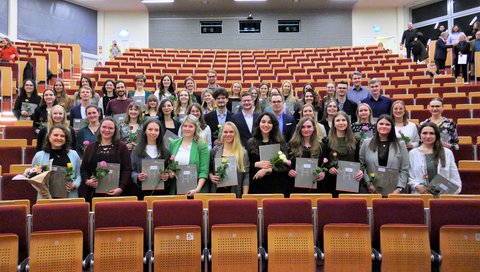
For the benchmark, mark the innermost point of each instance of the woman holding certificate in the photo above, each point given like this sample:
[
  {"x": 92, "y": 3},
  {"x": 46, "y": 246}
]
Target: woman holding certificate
[
  {"x": 429, "y": 160},
  {"x": 166, "y": 116},
  {"x": 87, "y": 135},
  {"x": 231, "y": 147},
  {"x": 146, "y": 161},
  {"x": 264, "y": 177},
  {"x": 385, "y": 159},
  {"x": 343, "y": 149},
  {"x": 27, "y": 101},
  {"x": 107, "y": 153},
  {"x": 57, "y": 149},
  {"x": 191, "y": 154},
  {"x": 305, "y": 144}
]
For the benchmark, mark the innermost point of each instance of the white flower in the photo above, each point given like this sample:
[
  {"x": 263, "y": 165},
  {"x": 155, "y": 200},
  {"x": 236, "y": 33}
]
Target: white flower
[
  {"x": 283, "y": 157},
  {"x": 285, "y": 160},
  {"x": 279, "y": 153}
]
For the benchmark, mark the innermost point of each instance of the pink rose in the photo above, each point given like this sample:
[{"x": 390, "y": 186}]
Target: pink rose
[
  {"x": 86, "y": 142},
  {"x": 400, "y": 131},
  {"x": 172, "y": 158},
  {"x": 325, "y": 160},
  {"x": 365, "y": 128},
  {"x": 289, "y": 162},
  {"x": 103, "y": 164}
]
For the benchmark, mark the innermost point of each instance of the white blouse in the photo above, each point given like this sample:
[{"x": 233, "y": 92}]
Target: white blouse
[
  {"x": 411, "y": 131},
  {"x": 183, "y": 155}
]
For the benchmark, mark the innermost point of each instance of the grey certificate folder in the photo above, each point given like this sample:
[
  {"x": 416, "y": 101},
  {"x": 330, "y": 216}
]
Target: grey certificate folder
[
  {"x": 267, "y": 152},
  {"x": 443, "y": 185},
  {"x": 111, "y": 180},
  {"x": 231, "y": 178},
  {"x": 304, "y": 168},
  {"x": 386, "y": 180},
  {"x": 57, "y": 182},
  {"x": 346, "y": 176},
  {"x": 152, "y": 169},
  {"x": 186, "y": 178}
]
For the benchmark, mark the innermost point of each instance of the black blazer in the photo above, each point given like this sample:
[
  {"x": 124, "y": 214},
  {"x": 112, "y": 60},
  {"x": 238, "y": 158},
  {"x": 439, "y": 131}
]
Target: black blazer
[
  {"x": 441, "y": 49},
  {"x": 288, "y": 126},
  {"x": 212, "y": 122},
  {"x": 242, "y": 126},
  {"x": 350, "y": 108}
]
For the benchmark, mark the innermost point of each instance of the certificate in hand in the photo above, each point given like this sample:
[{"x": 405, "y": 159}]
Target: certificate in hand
[
  {"x": 111, "y": 180},
  {"x": 57, "y": 182},
  {"x": 119, "y": 117},
  {"x": 235, "y": 106},
  {"x": 28, "y": 107},
  {"x": 152, "y": 169},
  {"x": 346, "y": 176},
  {"x": 231, "y": 178},
  {"x": 462, "y": 59},
  {"x": 267, "y": 152},
  {"x": 79, "y": 123},
  {"x": 386, "y": 180},
  {"x": 304, "y": 168},
  {"x": 443, "y": 185},
  {"x": 140, "y": 100},
  {"x": 168, "y": 137},
  {"x": 186, "y": 178}
]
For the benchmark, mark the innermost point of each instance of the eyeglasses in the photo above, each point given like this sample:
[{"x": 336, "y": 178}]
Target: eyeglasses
[{"x": 276, "y": 102}]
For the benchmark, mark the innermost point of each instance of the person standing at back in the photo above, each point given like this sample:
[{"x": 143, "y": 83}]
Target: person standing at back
[{"x": 407, "y": 39}]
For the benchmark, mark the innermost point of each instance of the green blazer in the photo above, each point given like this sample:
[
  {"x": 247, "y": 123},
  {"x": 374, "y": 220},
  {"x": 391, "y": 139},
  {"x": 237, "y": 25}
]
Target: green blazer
[{"x": 199, "y": 155}]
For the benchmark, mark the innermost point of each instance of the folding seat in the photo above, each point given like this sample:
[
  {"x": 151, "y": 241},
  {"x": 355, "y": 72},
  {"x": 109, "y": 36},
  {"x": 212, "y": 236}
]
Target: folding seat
[
  {"x": 150, "y": 199},
  {"x": 177, "y": 227},
  {"x": 394, "y": 90},
  {"x": 337, "y": 211},
  {"x": 289, "y": 234},
  {"x": 440, "y": 91},
  {"x": 466, "y": 149},
  {"x": 469, "y": 177},
  {"x": 397, "y": 75},
  {"x": 451, "y": 212},
  {"x": 17, "y": 189},
  {"x": 400, "y": 81},
  {"x": 395, "y": 211},
  {"x": 13, "y": 236},
  {"x": 419, "y": 90},
  {"x": 420, "y": 114},
  {"x": 459, "y": 248},
  {"x": 444, "y": 79},
  {"x": 405, "y": 247},
  {"x": 206, "y": 197},
  {"x": 233, "y": 231},
  {"x": 120, "y": 236},
  {"x": 20, "y": 132},
  {"x": 57, "y": 227},
  {"x": 468, "y": 88},
  {"x": 455, "y": 98},
  {"x": 261, "y": 197},
  {"x": 468, "y": 126}
]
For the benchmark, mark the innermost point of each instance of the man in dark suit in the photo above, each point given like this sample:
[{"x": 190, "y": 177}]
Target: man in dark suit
[
  {"x": 407, "y": 39},
  {"x": 286, "y": 122},
  {"x": 345, "y": 104},
  {"x": 245, "y": 119},
  {"x": 220, "y": 115},
  {"x": 441, "y": 51}
]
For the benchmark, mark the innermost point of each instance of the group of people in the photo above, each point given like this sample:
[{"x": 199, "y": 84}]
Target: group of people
[
  {"x": 353, "y": 124},
  {"x": 464, "y": 47}
]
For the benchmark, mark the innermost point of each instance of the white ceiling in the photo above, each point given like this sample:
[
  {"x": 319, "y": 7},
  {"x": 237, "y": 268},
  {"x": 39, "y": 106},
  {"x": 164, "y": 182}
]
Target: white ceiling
[{"x": 230, "y": 5}]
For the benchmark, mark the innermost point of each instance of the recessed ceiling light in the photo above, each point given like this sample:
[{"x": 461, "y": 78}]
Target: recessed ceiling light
[{"x": 157, "y": 1}]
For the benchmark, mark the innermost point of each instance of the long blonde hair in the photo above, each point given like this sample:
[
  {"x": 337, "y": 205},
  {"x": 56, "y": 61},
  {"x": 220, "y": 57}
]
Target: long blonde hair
[
  {"x": 63, "y": 123},
  {"x": 237, "y": 148},
  {"x": 291, "y": 98}
]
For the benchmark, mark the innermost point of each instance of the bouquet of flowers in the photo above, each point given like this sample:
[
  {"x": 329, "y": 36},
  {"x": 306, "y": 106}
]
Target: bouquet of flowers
[
  {"x": 280, "y": 160},
  {"x": 101, "y": 171},
  {"x": 70, "y": 173},
  {"x": 221, "y": 170},
  {"x": 318, "y": 170},
  {"x": 404, "y": 138},
  {"x": 38, "y": 176}
]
